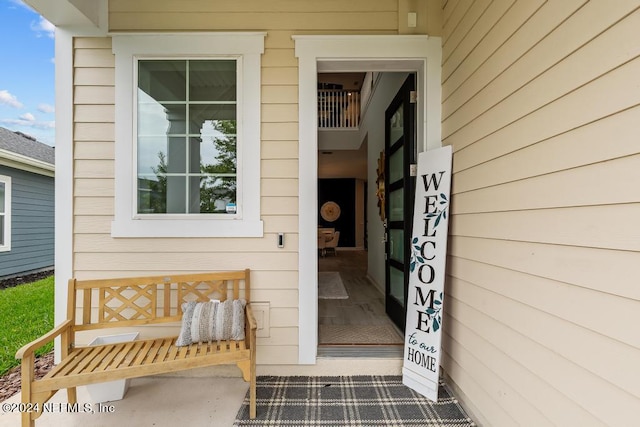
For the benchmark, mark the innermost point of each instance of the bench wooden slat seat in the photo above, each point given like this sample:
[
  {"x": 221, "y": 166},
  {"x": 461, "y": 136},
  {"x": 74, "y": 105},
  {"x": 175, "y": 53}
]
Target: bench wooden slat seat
[
  {"x": 111, "y": 362},
  {"x": 137, "y": 302}
]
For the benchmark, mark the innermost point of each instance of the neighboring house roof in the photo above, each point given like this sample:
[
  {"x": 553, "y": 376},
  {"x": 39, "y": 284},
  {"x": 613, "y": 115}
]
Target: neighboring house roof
[{"x": 22, "y": 151}]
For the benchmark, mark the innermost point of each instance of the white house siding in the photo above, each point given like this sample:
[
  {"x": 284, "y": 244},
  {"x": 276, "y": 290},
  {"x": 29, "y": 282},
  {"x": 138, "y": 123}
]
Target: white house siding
[
  {"x": 274, "y": 271},
  {"x": 541, "y": 103}
]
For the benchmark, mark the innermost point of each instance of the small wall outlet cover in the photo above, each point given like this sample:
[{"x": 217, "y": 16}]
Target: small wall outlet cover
[
  {"x": 412, "y": 20},
  {"x": 281, "y": 240},
  {"x": 262, "y": 313}
]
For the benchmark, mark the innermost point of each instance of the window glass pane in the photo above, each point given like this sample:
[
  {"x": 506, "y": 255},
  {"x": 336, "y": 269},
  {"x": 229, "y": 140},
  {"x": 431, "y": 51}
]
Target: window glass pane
[
  {"x": 2, "y": 190},
  {"x": 202, "y": 118},
  {"x": 396, "y": 205},
  {"x": 212, "y": 80},
  {"x": 187, "y": 169},
  {"x": 396, "y": 284},
  {"x": 162, "y": 194},
  {"x": 152, "y": 194},
  {"x": 215, "y": 150},
  {"x": 155, "y": 118},
  {"x": 213, "y": 194},
  {"x": 163, "y": 80},
  {"x": 160, "y": 155},
  {"x": 396, "y": 128},
  {"x": 396, "y": 166},
  {"x": 175, "y": 195},
  {"x": 397, "y": 244}
]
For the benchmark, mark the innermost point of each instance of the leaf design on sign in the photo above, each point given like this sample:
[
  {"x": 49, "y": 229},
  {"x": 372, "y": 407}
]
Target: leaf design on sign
[
  {"x": 435, "y": 313},
  {"x": 435, "y": 224},
  {"x": 415, "y": 256},
  {"x": 439, "y": 214}
]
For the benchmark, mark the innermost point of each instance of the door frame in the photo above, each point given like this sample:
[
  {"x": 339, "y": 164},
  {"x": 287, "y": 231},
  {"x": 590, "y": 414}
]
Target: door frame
[{"x": 409, "y": 53}]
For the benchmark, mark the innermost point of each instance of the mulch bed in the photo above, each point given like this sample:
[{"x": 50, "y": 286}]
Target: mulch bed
[
  {"x": 27, "y": 278},
  {"x": 10, "y": 382}
]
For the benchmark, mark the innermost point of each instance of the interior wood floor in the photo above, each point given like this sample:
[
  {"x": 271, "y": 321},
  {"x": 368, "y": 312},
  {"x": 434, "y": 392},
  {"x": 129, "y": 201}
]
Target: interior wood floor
[{"x": 365, "y": 305}]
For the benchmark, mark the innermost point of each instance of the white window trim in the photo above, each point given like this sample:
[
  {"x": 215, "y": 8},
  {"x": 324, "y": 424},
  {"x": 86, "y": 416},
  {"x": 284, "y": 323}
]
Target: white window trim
[
  {"x": 248, "y": 48},
  {"x": 6, "y": 180}
]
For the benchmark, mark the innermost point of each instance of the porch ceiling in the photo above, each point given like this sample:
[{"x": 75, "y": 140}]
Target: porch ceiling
[
  {"x": 79, "y": 14},
  {"x": 359, "y": 65}
]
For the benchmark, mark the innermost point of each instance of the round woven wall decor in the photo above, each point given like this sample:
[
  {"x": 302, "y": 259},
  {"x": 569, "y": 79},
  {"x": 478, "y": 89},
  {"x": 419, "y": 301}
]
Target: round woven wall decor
[{"x": 330, "y": 211}]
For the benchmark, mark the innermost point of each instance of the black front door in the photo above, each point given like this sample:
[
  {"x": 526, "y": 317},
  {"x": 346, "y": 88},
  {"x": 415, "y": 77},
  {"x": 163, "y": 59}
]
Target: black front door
[{"x": 400, "y": 148}]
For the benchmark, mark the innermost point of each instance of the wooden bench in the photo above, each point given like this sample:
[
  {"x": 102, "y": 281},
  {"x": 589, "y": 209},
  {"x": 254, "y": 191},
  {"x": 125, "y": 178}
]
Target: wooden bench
[{"x": 100, "y": 305}]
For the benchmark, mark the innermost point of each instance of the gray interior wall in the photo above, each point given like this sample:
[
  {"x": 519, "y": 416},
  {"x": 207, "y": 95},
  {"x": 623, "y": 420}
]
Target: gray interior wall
[{"x": 32, "y": 223}]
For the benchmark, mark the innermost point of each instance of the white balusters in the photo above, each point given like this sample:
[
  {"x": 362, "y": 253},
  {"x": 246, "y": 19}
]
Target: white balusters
[{"x": 338, "y": 108}]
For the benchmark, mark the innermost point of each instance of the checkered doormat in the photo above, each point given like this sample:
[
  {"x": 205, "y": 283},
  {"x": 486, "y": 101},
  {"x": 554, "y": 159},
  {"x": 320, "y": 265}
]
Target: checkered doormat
[{"x": 348, "y": 401}]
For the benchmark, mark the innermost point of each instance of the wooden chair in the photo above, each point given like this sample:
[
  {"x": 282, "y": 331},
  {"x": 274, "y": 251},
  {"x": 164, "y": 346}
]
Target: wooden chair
[
  {"x": 333, "y": 243},
  {"x": 321, "y": 244}
]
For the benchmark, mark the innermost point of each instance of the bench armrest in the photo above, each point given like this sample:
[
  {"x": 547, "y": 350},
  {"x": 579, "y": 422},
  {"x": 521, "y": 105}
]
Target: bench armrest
[
  {"x": 251, "y": 320},
  {"x": 39, "y": 342}
]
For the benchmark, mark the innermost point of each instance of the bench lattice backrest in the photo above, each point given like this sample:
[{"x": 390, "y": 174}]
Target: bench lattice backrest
[{"x": 144, "y": 300}]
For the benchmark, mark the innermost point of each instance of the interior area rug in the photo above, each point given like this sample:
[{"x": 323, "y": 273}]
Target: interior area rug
[
  {"x": 330, "y": 286},
  {"x": 352, "y": 401},
  {"x": 359, "y": 334}
]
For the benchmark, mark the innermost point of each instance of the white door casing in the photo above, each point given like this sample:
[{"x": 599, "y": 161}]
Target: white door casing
[{"x": 409, "y": 53}]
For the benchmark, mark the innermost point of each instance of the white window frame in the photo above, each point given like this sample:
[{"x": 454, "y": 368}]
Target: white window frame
[
  {"x": 247, "y": 49},
  {"x": 6, "y": 217}
]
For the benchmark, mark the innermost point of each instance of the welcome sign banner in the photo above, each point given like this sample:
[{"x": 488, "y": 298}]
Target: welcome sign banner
[{"x": 425, "y": 299}]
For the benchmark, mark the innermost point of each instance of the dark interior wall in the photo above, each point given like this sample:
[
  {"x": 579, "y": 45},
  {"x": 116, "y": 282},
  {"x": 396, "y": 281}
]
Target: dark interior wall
[{"x": 343, "y": 192}]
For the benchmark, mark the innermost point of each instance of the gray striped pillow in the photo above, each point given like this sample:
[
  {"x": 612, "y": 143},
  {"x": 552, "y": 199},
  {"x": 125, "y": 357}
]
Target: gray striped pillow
[{"x": 211, "y": 321}]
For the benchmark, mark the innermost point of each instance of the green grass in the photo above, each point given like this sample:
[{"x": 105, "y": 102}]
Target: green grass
[{"x": 26, "y": 313}]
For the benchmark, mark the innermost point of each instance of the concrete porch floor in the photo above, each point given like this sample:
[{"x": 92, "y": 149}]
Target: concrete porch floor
[
  {"x": 152, "y": 401},
  {"x": 200, "y": 397}
]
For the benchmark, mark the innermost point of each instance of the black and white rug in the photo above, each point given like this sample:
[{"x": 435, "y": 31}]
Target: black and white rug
[{"x": 353, "y": 401}]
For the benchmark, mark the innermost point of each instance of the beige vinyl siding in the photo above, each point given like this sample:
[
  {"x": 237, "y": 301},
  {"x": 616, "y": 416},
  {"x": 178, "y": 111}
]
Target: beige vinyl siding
[
  {"x": 219, "y": 15},
  {"x": 274, "y": 270},
  {"x": 541, "y": 102},
  {"x": 93, "y": 138}
]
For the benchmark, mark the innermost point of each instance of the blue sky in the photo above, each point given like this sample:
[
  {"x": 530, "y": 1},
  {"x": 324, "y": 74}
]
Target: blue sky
[{"x": 27, "y": 91}]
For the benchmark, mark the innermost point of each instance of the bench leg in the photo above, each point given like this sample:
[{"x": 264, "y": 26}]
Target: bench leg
[
  {"x": 27, "y": 421},
  {"x": 72, "y": 397},
  {"x": 248, "y": 368},
  {"x": 26, "y": 378},
  {"x": 252, "y": 391}
]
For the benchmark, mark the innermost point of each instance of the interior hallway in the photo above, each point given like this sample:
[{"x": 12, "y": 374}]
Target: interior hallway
[{"x": 359, "y": 320}]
